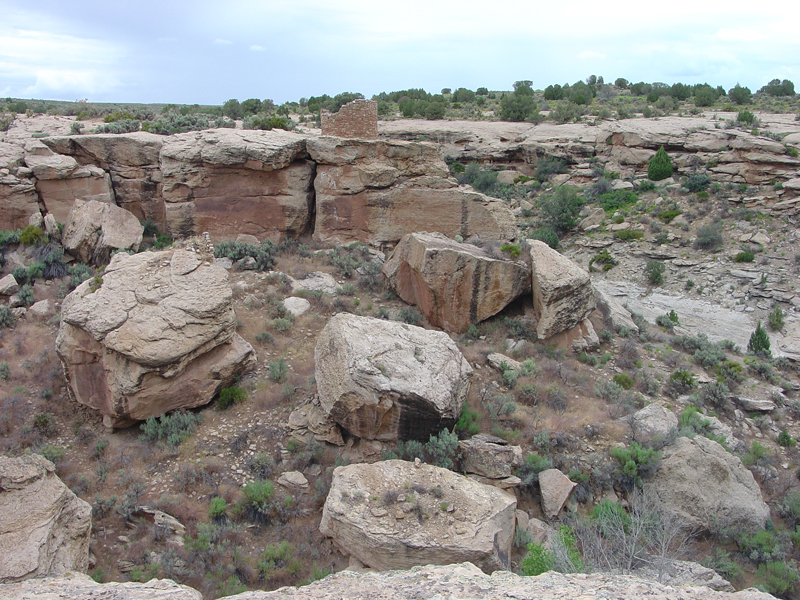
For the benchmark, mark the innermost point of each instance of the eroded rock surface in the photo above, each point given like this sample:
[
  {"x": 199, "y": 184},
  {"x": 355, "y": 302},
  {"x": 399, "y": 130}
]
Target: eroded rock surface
[
  {"x": 653, "y": 422},
  {"x": 386, "y": 380},
  {"x": 455, "y": 285},
  {"x": 378, "y": 191},
  {"x": 709, "y": 487},
  {"x": 44, "y": 527},
  {"x": 423, "y": 515},
  {"x": 158, "y": 334}
]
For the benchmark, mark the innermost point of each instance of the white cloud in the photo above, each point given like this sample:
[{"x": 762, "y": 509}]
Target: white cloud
[
  {"x": 257, "y": 48},
  {"x": 740, "y": 35},
  {"x": 222, "y": 42},
  {"x": 591, "y": 54},
  {"x": 41, "y": 63}
]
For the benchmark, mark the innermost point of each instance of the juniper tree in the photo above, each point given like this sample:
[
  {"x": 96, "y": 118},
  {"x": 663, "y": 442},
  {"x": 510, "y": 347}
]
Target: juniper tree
[
  {"x": 660, "y": 166},
  {"x": 759, "y": 342}
]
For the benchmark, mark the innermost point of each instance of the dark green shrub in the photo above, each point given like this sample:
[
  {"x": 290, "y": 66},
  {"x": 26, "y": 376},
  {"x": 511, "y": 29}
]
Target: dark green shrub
[
  {"x": 668, "y": 215},
  {"x": 278, "y": 370},
  {"x": 709, "y": 237},
  {"x": 410, "y": 315},
  {"x": 170, "y": 429},
  {"x": 4, "y": 370},
  {"x": 654, "y": 271},
  {"x": 759, "y": 343},
  {"x": 697, "y": 182},
  {"x": 217, "y": 508},
  {"x": 603, "y": 258},
  {"x": 257, "y": 504},
  {"x": 612, "y": 201},
  {"x": 775, "y": 320},
  {"x": 26, "y": 295},
  {"x": 32, "y": 236},
  {"x": 636, "y": 462},
  {"x": 546, "y": 235},
  {"x": 512, "y": 249},
  {"x": 745, "y": 256},
  {"x": 745, "y": 116},
  {"x": 469, "y": 420},
  {"x": 627, "y": 235},
  {"x": 739, "y": 94},
  {"x": 229, "y": 396},
  {"x": 623, "y": 380},
  {"x": 6, "y": 316},
  {"x": 560, "y": 209},
  {"x": 779, "y": 578},
  {"x": 680, "y": 382},
  {"x": 660, "y": 166},
  {"x": 548, "y": 166},
  {"x": 20, "y": 274},
  {"x": 786, "y": 440},
  {"x": 264, "y": 255}
]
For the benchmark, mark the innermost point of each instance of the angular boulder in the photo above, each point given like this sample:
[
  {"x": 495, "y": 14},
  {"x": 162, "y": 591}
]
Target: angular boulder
[
  {"x": 386, "y": 380},
  {"x": 614, "y": 314},
  {"x": 653, "y": 422},
  {"x": 455, "y": 285},
  {"x": 489, "y": 456},
  {"x": 377, "y": 191},
  {"x": 709, "y": 487},
  {"x": 158, "y": 334},
  {"x": 555, "y": 488},
  {"x": 45, "y": 529},
  {"x": 396, "y": 514},
  {"x": 562, "y": 291},
  {"x": 96, "y": 229}
]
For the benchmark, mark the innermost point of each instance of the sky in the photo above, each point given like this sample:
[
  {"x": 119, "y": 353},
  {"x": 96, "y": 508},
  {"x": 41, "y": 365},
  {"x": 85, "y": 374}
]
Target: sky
[{"x": 207, "y": 51}]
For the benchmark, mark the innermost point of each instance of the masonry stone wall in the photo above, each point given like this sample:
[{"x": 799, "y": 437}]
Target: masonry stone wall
[{"x": 356, "y": 119}]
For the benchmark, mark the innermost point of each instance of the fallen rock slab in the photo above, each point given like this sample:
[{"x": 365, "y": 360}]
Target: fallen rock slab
[
  {"x": 555, "y": 488},
  {"x": 156, "y": 333},
  {"x": 423, "y": 515},
  {"x": 562, "y": 292},
  {"x": 454, "y": 285},
  {"x": 45, "y": 529},
  {"x": 385, "y": 380},
  {"x": 489, "y": 456}
]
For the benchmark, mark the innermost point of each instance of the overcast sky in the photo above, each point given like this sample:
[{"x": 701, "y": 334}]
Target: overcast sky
[{"x": 207, "y": 51}]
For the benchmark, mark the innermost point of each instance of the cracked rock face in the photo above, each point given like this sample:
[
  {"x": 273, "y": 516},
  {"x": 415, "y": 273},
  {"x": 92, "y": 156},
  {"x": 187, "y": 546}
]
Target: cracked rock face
[
  {"x": 158, "y": 334},
  {"x": 386, "y": 381},
  {"x": 397, "y": 514},
  {"x": 44, "y": 527},
  {"x": 455, "y": 285}
]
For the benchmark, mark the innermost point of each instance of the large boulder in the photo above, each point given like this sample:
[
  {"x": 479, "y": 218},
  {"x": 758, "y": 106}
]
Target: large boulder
[
  {"x": 377, "y": 191},
  {"x": 18, "y": 198},
  {"x": 709, "y": 487},
  {"x": 158, "y": 334},
  {"x": 44, "y": 528},
  {"x": 397, "y": 514},
  {"x": 454, "y": 284},
  {"x": 96, "y": 229},
  {"x": 386, "y": 380},
  {"x": 229, "y": 182},
  {"x": 562, "y": 291},
  {"x": 489, "y": 456},
  {"x": 614, "y": 314}
]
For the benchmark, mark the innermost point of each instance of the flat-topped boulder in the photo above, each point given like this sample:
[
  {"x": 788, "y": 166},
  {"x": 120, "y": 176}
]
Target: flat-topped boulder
[
  {"x": 44, "y": 528},
  {"x": 562, "y": 291},
  {"x": 157, "y": 332},
  {"x": 386, "y": 380},
  {"x": 454, "y": 285},
  {"x": 397, "y": 514}
]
